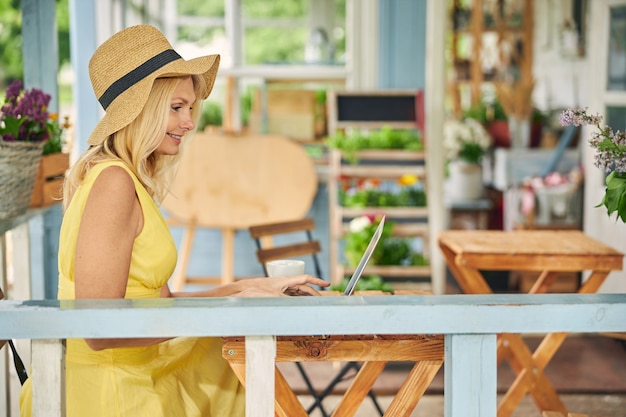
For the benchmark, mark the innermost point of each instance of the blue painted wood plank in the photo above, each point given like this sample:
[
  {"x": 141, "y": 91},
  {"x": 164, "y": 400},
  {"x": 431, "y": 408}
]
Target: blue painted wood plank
[
  {"x": 83, "y": 43},
  {"x": 40, "y": 47},
  {"x": 430, "y": 314},
  {"x": 470, "y": 384}
]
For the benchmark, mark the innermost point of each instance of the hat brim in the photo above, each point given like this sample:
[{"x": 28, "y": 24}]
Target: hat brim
[{"x": 127, "y": 106}]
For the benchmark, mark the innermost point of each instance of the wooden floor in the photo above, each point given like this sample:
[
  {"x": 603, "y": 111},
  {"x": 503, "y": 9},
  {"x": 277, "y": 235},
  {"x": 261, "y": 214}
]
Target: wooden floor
[{"x": 589, "y": 372}]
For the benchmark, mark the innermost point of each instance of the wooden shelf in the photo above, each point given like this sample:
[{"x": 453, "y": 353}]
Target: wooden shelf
[
  {"x": 514, "y": 46},
  {"x": 381, "y": 164},
  {"x": 391, "y": 154},
  {"x": 382, "y": 172},
  {"x": 393, "y": 271},
  {"x": 393, "y": 212}
]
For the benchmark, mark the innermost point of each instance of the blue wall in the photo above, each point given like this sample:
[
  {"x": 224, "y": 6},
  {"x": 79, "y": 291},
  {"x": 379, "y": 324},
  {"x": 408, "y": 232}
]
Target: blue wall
[{"x": 402, "y": 51}]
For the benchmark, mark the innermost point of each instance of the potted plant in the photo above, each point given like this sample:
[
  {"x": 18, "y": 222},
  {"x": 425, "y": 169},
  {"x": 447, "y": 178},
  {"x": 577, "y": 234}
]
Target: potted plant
[
  {"x": 383, "y": 138},
  {"x": 55, "y": 161},
  {"x": 494, "y": 118},
  {"x": 406, "y": 192},
  {"x": 391, "y": 250},
  {"x": 24, "y": 128},
  {"x": 466, "y": 142}
]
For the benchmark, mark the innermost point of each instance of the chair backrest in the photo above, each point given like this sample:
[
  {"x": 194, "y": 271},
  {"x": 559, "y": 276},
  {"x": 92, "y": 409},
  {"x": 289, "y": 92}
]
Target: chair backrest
[{"x": 300, "y": 242}]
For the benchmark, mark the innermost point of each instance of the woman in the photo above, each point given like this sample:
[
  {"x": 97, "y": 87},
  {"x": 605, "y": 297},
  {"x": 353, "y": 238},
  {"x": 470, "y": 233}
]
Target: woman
[{"x": 115, "y": 243}]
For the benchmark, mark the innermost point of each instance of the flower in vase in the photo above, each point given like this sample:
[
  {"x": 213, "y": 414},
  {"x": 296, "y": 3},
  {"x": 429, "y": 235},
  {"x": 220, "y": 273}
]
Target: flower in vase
[
  {"x": 610, "y": 156},
  {"x": 465, "y": 140}
]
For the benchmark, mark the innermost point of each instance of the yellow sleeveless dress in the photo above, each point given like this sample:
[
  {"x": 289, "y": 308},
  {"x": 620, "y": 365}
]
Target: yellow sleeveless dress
[{"x": 181, "y": 377}]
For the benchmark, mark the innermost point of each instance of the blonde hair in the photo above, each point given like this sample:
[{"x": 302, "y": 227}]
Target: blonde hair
[{"x": 135, "y": 144}]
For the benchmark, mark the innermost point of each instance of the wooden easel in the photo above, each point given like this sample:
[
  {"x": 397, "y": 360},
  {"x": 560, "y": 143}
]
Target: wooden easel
[{"x": 231, "y": 182}]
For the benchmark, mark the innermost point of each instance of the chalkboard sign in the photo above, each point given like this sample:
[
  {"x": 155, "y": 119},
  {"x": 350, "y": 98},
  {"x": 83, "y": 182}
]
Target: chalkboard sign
[
  {"x": 397, "y": 108},
  {"x": 370, "y": 108}
]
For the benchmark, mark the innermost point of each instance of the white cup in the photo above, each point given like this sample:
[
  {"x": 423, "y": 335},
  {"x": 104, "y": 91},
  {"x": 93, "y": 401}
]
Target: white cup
[{"x": 285, "y": 268}]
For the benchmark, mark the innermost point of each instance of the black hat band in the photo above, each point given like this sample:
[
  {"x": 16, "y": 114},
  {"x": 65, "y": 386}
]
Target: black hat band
[{"x": 136, "y": 75}]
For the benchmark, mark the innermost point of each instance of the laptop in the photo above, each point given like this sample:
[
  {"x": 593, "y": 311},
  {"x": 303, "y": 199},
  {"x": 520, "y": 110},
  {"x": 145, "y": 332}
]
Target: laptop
[{"x": 364, "y": 259}]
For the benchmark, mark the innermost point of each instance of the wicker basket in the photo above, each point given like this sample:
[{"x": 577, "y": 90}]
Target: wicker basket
[{"x": 18, "y": 166}]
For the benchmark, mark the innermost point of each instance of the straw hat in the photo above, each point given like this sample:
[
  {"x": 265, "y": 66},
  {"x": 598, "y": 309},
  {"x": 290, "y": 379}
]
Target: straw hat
[{"x": 124, "y": 67}]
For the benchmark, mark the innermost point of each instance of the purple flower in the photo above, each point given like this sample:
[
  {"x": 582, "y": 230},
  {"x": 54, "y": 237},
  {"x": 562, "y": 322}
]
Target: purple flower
[
  {"x": 24, "y": 115},
  {"x": 579, "y": 117},
  {"x": 610, "y": 156}
]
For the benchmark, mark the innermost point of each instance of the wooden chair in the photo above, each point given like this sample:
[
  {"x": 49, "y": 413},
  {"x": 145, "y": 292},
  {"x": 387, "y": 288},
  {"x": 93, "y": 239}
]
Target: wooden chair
[
  {"x": 229, "y": 182},
  {"x": 298, "y": 242},
  {"x": 17, "y": 361},
  {"x": 264, "y": 234}
]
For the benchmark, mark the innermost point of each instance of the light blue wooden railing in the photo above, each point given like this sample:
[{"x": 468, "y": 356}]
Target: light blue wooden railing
[{"x": 470, "y": 324}]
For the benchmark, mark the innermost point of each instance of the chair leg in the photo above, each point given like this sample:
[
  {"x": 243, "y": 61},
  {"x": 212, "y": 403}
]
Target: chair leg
[
  {"x": 331, "y": 386},
  {"x": 317, "y": 398},
  {"x": 19, "y": 365},
  {"x": 375, "y": 402},
  {"x": 370, "y": 394}
]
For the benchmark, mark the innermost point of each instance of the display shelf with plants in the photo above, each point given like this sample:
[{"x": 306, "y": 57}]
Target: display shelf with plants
[
  {"x": 400, "y": 251},
  {"x": 378, "y": 168},
  {"x": 399, "y": 254}
]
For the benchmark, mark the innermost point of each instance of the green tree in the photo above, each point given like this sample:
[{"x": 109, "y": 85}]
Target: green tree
[
  {"x": 10, "y": 41},
  {"x": 11, "y": 56}
]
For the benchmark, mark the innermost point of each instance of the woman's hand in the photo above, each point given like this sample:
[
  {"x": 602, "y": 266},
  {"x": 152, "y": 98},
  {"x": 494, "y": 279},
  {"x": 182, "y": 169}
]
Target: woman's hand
[{"x": 282, "y": 286}]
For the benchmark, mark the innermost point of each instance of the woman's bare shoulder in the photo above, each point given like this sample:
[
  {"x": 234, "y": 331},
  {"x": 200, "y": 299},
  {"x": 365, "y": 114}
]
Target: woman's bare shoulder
[
  {"x": 113, "y": 197},
  {"x": 114, "y": 183}
]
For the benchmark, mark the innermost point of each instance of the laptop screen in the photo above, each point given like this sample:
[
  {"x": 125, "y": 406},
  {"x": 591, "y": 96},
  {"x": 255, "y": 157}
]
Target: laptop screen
[{"x": 364, "y": 259}]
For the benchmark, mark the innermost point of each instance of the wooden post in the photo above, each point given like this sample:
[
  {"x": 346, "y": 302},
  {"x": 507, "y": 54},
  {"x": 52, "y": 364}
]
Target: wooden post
[
  {"x": 260, "y": 377},
  {"x": 470, "y": 386},
  {"x": 40, "y": 48},
  {"x": 49, "y": 378},
  {"x": 5, "y": 392}
]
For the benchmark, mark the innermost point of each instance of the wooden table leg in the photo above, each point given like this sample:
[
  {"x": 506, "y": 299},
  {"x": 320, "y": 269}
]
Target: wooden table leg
[
  {"x": 593, "y": 283},
  {"x": 358, "y": 390},
  {"x": 426, "y": 351},
  {"x": 413, "y": 388},
  {"x": 544, "y": 282},
  {"x": 470, "y": 280},
  {"x": 530, "y": 376},
  {"x": 286, "y": 403}
]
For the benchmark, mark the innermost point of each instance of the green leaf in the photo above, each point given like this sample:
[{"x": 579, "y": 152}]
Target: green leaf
[{"x": 615, "y": 195}]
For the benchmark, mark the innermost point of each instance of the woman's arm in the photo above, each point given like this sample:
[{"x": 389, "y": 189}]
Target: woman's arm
[
  {"x": 111, "y": 221},
  {"x": 259, "y": 287}
]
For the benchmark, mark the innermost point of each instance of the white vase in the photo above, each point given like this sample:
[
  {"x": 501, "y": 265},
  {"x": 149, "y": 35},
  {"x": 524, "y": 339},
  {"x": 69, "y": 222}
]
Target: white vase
[
  {"x": 465, "y": 181},
  {"x": 519, "y": 131}
]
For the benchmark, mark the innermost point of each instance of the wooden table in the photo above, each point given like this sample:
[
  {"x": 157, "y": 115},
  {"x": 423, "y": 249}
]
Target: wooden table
[
  {"x": 467, "y": 253},
  {"x": 427, "y": 351}
]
